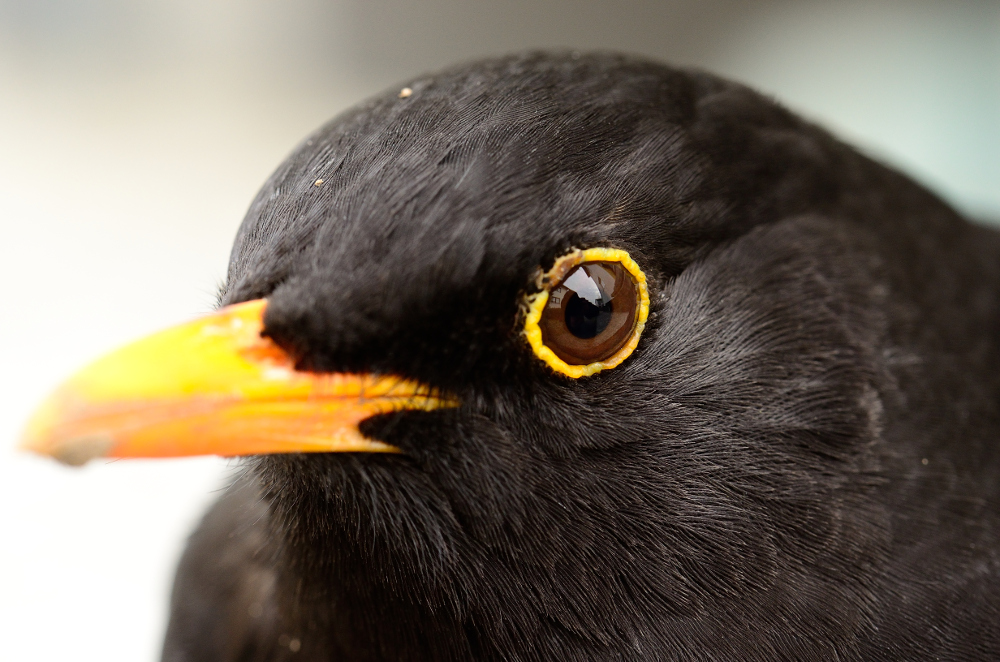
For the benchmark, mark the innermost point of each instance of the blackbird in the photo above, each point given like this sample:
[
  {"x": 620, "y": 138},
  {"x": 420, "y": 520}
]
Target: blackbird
[{"x": 579, "y": 357}]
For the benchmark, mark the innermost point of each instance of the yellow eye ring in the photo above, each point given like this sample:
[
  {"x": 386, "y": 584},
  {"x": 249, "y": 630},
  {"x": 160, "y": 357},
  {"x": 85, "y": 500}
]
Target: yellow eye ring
[{"x": 554, "y": 278}]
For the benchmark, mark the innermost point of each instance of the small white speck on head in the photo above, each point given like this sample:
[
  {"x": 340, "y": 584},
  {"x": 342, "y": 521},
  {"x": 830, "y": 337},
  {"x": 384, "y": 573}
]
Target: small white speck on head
[
  {"x": 924, "y": 461},
  {"x": 405, "y": 92},
  {"x": 294, "y": 645},
  {"x": 318, "y": 182}
]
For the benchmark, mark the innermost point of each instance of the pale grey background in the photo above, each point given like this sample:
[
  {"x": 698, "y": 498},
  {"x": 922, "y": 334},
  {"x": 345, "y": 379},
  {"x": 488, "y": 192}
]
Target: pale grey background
[{"x": 133, "y": 134}]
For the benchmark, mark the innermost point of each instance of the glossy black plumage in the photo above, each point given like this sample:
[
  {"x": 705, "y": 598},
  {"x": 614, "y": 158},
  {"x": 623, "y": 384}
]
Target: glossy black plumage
[{"x": 800, "y": 461}]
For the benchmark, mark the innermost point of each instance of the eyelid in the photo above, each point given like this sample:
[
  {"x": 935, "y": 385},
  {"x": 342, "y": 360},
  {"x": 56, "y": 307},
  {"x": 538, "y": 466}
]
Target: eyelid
[{"x": 553, "y": 279}]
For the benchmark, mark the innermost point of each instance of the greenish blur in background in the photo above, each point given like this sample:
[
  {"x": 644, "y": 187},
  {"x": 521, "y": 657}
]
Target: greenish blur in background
[{"x": 134, "y": 133}]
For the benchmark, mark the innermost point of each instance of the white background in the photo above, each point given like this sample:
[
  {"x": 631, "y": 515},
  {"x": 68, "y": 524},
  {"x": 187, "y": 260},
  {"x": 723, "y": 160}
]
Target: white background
[{"x": 133, "y": 135}]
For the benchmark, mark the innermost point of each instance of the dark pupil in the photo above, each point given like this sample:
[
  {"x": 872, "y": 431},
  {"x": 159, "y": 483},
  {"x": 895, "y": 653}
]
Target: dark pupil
[{"x": 586, "y": 320}]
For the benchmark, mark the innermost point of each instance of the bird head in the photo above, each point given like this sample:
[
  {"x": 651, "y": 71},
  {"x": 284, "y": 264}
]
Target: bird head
[{"x": 445, "y": 473}]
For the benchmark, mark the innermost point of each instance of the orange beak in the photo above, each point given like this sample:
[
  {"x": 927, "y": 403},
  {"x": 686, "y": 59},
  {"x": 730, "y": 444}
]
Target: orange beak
[{"x": 214, "y": 386}]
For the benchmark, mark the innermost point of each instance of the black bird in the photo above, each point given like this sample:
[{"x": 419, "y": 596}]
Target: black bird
[{"x": 631, "y": 364}]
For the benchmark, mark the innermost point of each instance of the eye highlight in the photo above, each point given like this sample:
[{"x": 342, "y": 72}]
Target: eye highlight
[{"x": 590, "y": 312}]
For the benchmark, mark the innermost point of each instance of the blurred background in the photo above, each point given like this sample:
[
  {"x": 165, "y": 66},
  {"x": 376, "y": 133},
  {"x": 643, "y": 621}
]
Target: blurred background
[{"x": 134, "y": 133}]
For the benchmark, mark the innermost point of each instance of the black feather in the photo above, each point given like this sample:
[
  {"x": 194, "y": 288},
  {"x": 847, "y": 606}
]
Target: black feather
[{"x": 799, "y": 462}]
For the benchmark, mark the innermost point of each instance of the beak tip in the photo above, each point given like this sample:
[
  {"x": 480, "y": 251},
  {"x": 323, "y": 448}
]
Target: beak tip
[{"x": 73, "y": 452}]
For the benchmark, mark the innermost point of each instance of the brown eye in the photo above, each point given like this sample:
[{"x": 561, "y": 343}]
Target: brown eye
[
  {"x": 591, "y": 314},
  {"x": 591, "y": 311}
]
